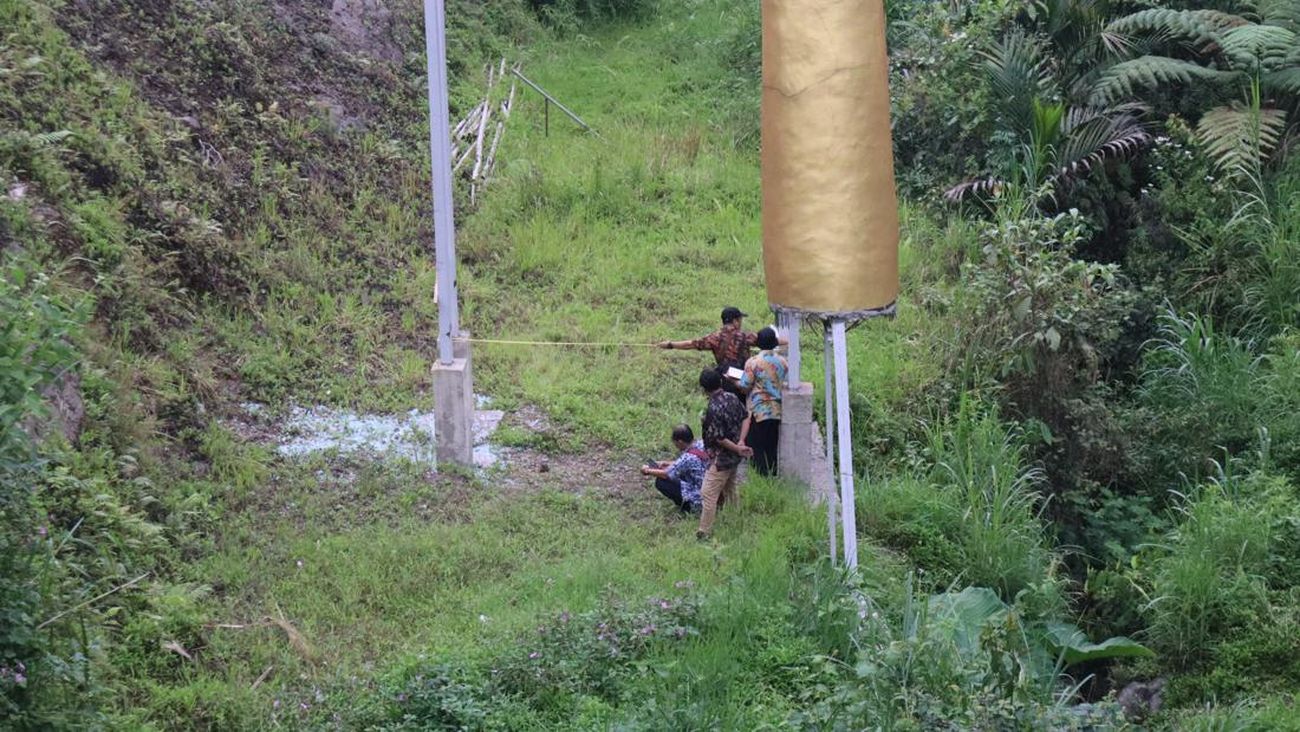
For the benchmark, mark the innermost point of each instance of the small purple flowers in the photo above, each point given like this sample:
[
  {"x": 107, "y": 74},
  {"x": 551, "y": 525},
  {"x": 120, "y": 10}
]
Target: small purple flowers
[{"x": 647, "y": 630}]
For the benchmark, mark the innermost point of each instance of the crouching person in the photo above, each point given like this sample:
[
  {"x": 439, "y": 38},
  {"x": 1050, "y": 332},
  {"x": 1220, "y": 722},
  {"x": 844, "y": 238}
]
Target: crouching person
[
  {"x": 681, "y": 479},
  {"x": 722, "y": 421}
]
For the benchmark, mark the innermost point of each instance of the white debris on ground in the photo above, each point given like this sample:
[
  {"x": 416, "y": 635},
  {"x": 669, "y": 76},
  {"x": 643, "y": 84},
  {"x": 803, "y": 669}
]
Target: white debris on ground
[{"x": 408, "y": 435}]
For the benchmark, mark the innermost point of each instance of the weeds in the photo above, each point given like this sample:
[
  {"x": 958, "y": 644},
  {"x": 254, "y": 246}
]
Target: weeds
[{"x": 978, "y": 460}]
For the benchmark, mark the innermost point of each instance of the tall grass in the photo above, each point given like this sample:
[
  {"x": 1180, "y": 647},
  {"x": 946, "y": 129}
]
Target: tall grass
[
  {"x": 982, "y": 466},
  {"x": 1209, "y": 579}
]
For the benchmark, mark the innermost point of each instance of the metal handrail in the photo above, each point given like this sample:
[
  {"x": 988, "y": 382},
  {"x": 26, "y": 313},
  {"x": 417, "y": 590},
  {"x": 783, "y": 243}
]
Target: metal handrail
[{"x": 552, "y": 100}]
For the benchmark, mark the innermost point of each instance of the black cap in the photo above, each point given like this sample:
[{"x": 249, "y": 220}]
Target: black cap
[{"x": 729, "y": 314}]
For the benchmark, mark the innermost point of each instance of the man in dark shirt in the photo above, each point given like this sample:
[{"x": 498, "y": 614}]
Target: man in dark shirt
[{"x": 722, "y": 421}]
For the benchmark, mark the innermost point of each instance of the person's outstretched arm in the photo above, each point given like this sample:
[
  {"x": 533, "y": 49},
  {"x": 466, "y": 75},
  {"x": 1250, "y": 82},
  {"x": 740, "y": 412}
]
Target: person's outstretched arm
[{"x": 704, "y": 343}]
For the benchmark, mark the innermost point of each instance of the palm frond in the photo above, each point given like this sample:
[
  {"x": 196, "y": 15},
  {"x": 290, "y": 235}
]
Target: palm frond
[
  {"x": 1238, "y": 137},
  {"x": 1092, "y": 136},
  {"x": 1151, "y": 72},
  {"x": 1115, "y": 43},
  {"x": 974, "y": 187},
  {"x": 1018, "y": 73}
]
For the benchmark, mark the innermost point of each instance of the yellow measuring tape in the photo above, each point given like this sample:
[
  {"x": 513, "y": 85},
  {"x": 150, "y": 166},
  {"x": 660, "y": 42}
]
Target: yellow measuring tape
[{"x": 595, "y": 344}]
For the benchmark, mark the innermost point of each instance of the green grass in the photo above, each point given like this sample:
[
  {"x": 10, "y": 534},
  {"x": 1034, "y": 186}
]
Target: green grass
[
  {"x": 640, "y": 234},
  {"x": 371, "y": 599},
  {"x": 321, "y": 585}
]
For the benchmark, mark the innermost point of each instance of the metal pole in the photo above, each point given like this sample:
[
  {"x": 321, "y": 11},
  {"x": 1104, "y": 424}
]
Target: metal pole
[
  {"x": 832, "y": 520},
  {"x": 795, "y": 360},
  {"x": 848, "y": 512},
  {"x": 444, "y": 225},
  {"x": 554, "y": 101}
]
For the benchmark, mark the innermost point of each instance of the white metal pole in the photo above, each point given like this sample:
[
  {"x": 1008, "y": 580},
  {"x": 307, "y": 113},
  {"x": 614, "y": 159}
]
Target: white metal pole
[
  {"x": 795, "y": 358},
  {"x": 832, "y": 520},
  {"x": 444, "y": 225},
  {"x": 848, "y": 510}
]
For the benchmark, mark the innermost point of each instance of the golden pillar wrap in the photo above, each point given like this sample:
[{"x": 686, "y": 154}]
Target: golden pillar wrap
[{"x": 830, "y": 213}]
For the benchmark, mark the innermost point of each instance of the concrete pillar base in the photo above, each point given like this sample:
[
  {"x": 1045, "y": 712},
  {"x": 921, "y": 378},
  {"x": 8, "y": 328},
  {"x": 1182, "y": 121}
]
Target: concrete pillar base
[
  {"x": 453, "y": 412},
  {"x": 795, "y": 452}
]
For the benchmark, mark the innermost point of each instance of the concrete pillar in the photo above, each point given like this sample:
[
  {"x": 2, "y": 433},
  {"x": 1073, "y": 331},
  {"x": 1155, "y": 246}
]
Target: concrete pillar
[
  {"x": 460, "y": 349},
  {"x": 453, "y": 412},
  {"x": 795, "y": 450}
]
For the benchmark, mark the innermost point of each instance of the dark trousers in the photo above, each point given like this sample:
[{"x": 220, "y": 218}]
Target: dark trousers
[
  {"x": 763, "y": 437},
  {"x": 673, "y": 490}
]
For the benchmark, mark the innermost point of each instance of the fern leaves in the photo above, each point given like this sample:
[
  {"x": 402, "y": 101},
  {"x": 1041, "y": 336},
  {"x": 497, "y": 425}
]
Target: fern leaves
[
  {"x": 1259, "y": 46},
  {"x": 1199, "y": 28},
  {"x": 1284, "y": 82},
  {"x": 1239, "y": 136},
  {"x": 1285, "y": 13},
  {"x": 1232, "y": 46},
  {"x": 1151, "y": 72},
  {"x": 1261, "y": 57}
]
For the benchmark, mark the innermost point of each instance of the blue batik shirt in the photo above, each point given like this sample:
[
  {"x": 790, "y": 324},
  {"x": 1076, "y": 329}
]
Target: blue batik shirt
[
  {"x": 764, "y": 375},
  {"x": 689, "y": 469}
]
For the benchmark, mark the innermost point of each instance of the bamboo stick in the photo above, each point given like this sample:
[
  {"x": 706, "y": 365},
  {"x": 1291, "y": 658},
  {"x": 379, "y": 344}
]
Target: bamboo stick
[{"x": 478, "y": 143}]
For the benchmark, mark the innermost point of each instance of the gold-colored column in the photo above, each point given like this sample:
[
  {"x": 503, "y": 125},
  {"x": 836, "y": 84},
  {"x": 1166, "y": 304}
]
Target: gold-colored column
[{"x": 830, "y": 212}]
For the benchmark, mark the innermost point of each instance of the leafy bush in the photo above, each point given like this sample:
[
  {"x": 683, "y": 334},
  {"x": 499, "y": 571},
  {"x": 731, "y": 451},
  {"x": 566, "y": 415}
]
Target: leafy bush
[
  {"x": 43, "y": 681},
  {"x": 942, "y": 112},
  {"x": 573, "y": 15},
  {"x": 549, "y": 673},
  {"x": 960, "y": 660},
  {"x": 1045, "y": 326}
]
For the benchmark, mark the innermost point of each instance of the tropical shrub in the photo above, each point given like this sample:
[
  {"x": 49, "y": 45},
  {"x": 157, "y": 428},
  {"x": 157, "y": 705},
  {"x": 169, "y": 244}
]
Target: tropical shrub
[
  {"x": 1047, "y": 142},
  {"x": 961, "y": 660},
  {"x": 1047, "y": 329},
  {"x": 942, "y": 113}
]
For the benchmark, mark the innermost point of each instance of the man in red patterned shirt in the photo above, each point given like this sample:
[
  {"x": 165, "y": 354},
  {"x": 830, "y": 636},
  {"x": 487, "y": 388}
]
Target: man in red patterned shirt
[{"x": 731, "y": 345}]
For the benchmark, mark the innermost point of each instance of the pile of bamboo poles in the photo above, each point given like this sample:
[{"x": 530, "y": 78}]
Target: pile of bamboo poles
[{"x": 469, "y": 136}]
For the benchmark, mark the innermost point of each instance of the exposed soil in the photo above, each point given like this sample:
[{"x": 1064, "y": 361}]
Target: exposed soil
[{"x": 351, "y": 488}]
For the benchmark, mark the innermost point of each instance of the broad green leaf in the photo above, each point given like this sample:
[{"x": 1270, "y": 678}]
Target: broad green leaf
[
  {"x": 1077, "y": 648},
  {"x": 963, "y": 615},
  {"x": 1053, "y": 337}
]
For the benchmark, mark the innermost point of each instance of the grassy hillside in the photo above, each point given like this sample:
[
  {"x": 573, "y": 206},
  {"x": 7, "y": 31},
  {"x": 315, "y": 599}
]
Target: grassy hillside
[
  {"x": 206, "y": 204},
  {"x": 230, "y": 202}
]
